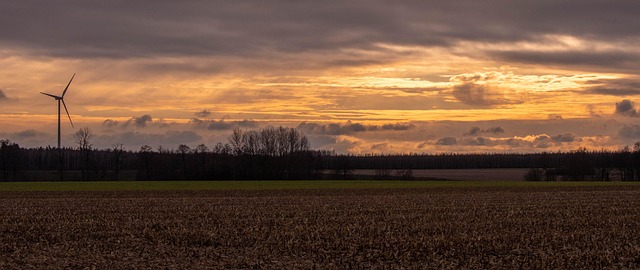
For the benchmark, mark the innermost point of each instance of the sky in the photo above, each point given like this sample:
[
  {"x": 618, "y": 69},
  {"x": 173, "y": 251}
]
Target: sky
[{"x": 356, "y": 77}]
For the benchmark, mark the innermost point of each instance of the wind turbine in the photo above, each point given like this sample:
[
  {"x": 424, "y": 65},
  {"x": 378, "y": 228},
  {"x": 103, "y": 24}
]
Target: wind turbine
[{"x": 60, "y": 99}]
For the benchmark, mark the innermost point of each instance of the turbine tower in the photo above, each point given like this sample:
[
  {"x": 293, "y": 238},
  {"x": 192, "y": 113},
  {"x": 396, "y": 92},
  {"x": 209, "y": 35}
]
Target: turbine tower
[{"x": 60, "y": 99}]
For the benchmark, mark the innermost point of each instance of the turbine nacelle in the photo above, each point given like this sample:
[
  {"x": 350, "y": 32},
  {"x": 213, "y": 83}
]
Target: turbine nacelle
[{"x": 53, "y": 96}]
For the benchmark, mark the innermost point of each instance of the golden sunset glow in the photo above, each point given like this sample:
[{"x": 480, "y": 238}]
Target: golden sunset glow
[{"x": 470, "y": 82}]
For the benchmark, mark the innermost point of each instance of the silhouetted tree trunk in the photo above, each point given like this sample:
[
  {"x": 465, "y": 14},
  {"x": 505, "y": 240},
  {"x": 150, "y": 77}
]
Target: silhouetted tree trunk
[
  {"x": 184, "y": 150},
  {"x": 201, "y": 151},
  {"x": 117, "y": 150},
  {"x": 83, "y": 139},
  {"x": 144, "y": 155}
]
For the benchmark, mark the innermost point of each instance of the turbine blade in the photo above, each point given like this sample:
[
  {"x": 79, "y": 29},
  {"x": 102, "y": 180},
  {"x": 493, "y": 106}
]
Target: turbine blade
[
  {"x": 65, "y": 109},
  {"x": 65, "y": 89},
  {"x": 53, "y": 96}
]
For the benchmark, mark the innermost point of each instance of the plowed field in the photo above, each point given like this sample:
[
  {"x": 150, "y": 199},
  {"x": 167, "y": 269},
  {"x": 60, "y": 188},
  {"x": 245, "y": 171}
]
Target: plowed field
[{"x": 533, "y": 227}]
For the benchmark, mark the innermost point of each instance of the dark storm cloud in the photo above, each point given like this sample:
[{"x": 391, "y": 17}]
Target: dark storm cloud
[
  {"x": 222, "y": 124},
  {"x": 626, "y": 108},
  {"x": 123, "y": 29},
  {"x": 3, "y": 97},
  {"x": 349, "y": 128}
]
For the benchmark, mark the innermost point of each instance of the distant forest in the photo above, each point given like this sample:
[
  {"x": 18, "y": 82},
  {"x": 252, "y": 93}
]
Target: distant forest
[{"x": 284, "y": 153}]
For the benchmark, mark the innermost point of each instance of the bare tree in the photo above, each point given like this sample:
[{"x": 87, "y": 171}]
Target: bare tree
[
  {"x": 223, "y": 149},
  {"x": 184, "y": 150},
  {"x": 83, "y": 139},
  {"x": 268, "y": 141},
  {"x": 236, "y": 141},
  {"x": 117, "y": 150},
  {"x": 202, "y": 150},
  {"x": 145, "y": 157},
  {"x": 251, "y": 143}
]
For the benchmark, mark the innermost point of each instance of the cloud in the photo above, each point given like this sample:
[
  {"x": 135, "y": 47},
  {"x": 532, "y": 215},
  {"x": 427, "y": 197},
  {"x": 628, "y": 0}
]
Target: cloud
[
  {"x": 555, "y": 116},
  {"x": 473, "y": 131},
  {"x": 262, "y": 29},
  {"x": 479, "y": 89},
  {"x": 29, "y": 138},
  {"x": 470, "y": 93},
  {"x": 3, "y": 97},
  {"x": 447, "y": 141},
  {"x": 564, "y": 140},
  {"x": 379, "y": 146},
  {"x": 162, "y": 123},
  {"x": 397, "y": 126},
  {"x": 202, "y": 114},
  {"x": 477, "y": 141},
  {"x": 423, "y": 145},
  {"x": 603, "y": 59},
  {"x": 476, "y": 130},
  {"x": 614, "y": 87},
  {"x": 30, "y": 133},
  {"x": 109, "y": 123},
  {"x": 347, "y": 144},
  {"x": 142, "y": 120},
  {"x": 593, "y": 112},
  {"x": 567, "y": 137},
  {"x": 630, "y": 132},
  {"x": 494, "y": 130},
  {"x": 222, "y": 124},
  {"x": 626, "y": 108},
  {"x": 349, "y": 128},
  {"x": 321, "y": 141},
  {"x": 176, "y": 137},
  {"x": 139, "y": 122}
]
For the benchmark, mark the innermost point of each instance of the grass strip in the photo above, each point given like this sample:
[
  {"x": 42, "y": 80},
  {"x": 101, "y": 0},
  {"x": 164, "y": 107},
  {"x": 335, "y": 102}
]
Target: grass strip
[{"x": 280, "y": 184}]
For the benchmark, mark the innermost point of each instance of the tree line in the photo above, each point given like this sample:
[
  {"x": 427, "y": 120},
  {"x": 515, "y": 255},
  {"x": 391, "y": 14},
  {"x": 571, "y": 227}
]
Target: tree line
[{"x": 285, "y": 153}]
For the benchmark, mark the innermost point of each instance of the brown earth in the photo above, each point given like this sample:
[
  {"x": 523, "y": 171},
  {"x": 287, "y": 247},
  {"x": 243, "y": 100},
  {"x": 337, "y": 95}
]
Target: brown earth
[{"x": 591, "y": 227}]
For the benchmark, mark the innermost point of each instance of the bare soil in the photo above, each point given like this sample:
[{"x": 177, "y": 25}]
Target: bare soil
[{"x": 542, "y": 227}]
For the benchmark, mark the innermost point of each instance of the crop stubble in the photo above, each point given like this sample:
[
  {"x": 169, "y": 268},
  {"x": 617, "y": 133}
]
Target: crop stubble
[{"x": 587, "y": 227}]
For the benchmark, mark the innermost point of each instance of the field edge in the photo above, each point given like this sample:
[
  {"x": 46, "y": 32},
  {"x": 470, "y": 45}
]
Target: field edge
[{"x": 280, "y": 184}]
